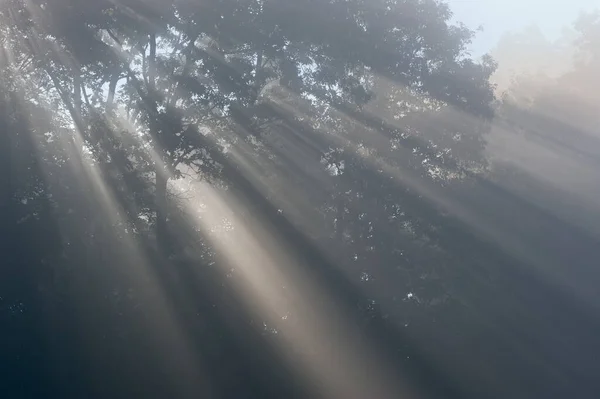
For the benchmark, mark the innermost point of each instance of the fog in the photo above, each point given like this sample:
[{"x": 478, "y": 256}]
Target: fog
[
  {"x": 298, "y": 199},
  {"x": 554, "y": 81}
]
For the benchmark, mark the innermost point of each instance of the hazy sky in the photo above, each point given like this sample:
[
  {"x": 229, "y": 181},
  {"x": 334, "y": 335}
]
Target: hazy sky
[{"x": 499, "y": 16}]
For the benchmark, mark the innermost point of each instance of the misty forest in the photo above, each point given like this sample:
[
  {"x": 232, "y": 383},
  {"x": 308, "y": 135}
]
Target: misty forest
[{"x": 295, "y": 199}]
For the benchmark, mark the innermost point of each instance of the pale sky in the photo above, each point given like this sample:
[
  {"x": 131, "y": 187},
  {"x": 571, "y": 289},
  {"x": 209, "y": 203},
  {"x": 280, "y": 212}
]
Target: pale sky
[{"x": 500, "y": 16}]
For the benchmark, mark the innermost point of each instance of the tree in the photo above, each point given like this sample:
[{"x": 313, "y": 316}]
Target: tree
[{"x": 278, "y": 110}]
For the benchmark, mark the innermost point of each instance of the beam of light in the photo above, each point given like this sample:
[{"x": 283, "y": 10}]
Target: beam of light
[
  {"x": 291, "y": 185},
  {"x": 480, "y": 221},
  {"x": 552, "y": 164},
  {"x": 374, "y": 140},
  {"x": 577, "y": 111},
  {"x": 239, "y": 151},
  {"x": 163, "y": 326},
  {"x": 319, "y": 346},
  {"x": 171, "y": 340},
  {"x": 334, "y": 369}
]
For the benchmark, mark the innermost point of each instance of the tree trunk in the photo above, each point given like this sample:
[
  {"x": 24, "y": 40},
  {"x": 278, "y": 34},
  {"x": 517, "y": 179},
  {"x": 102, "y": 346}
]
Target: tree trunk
[
  {"x": 152, "y": 63},
  {"x": 112, "y": 88},
  {"x": 258, "y": 74},
  {"x": 162, "y": 233},
  {"x": 77, "y": 91}
]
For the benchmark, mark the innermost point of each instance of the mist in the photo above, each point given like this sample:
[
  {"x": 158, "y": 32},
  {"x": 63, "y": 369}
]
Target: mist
[
  {"x": 297, "y": 199},
  {"x": 551, "y": 82}
]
